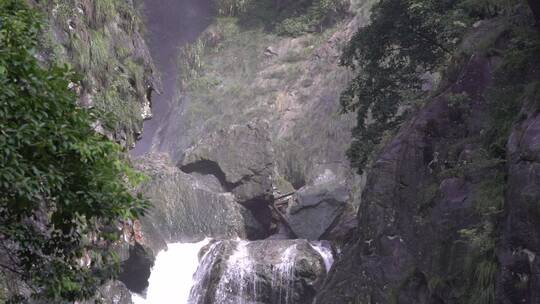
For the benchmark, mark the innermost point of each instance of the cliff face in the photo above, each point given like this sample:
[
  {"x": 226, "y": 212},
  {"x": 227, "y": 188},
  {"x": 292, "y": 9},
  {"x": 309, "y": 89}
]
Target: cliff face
[
  {"x": 258, "y": 118},
  {"x": 254, "y": 148},
  {"x": 441, "y": 220},
  {"x": 103, "y": 42}
]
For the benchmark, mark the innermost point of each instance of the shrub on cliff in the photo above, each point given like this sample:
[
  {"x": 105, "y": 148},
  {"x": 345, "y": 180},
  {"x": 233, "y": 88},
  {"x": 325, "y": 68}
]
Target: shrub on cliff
[
  {"x": 63, "y": 187},
  {"x": 405, "y": 40}
]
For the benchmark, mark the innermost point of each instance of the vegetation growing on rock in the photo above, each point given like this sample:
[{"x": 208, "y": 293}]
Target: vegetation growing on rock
[
  {"x": 102, "y": 41},
  {"x": 405, "y": 42},
  {"x": 448, "y": 154},
  {"x": 64, "y": 187}
]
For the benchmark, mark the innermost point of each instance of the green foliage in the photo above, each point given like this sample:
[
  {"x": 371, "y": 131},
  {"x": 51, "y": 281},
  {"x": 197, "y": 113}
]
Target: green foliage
[
  {"x": 62, "y": 185},
  {"x": 516, "y": 81},
  {"x": 482, "y": 266},
  {"x": 318, "y": 15},
  {"x": 104, "y": 10},
  {"x": 288, "y": 18},
  {"x": 95, "y": 38},
  {"x": 405, "y": 39}
]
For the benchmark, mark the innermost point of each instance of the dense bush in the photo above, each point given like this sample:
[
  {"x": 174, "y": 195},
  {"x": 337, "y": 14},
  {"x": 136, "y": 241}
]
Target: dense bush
[
  {"x": 63, "y": 186},
  {"x": 405, "y": 40}
]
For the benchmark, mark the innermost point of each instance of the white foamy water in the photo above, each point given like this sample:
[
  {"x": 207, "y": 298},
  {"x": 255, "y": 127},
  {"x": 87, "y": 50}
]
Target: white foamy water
[
  {"x": 283, "y": 276},
  {"x": 239, "y": 270},
  {"x": 325, "y": 252},
  {"x": 172, "y": 275}
]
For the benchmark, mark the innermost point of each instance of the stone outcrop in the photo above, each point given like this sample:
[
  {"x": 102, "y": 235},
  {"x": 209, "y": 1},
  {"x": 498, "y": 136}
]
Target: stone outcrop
[
  {"x": 317, "y": 208},
  {"x": 240, "y": 157},
  {"x": 271, "y": 271},
  {"x": 520, "y": 246},
  {"x": 415, "y": 208},
  {"x": 104, "y": 43},
  {"x": 189, "y": 208}
]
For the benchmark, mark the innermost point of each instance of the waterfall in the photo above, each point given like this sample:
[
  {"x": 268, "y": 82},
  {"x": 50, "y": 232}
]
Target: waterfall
[
  {"x": 237, "y": 277},
  {"x": 283, "y": 277},
  {"x": 172, "y": 274},
  {"x": 203, "y": 275},
  {"x": 325, "y": 250},
  {"x": 232, "y": 272}
]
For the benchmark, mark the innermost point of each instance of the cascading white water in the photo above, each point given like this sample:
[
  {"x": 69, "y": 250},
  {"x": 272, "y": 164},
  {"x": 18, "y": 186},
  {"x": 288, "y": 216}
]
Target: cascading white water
[
  {"x": 326, "y": 253},
  {"x": 172, "y": 275},
  {"x": 178, "y": 276},
  {"x": 239, "y": 270},
  {"x": 283, "y": 276}
]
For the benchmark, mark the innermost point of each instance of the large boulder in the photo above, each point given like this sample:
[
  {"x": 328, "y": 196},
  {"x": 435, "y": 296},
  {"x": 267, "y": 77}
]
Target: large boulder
[
  {"x": 191, "y": 207},
  {"x": 317, "y": 207},
  {"x": 271, "y": 271},
  {"x": 240, "y": 158}
]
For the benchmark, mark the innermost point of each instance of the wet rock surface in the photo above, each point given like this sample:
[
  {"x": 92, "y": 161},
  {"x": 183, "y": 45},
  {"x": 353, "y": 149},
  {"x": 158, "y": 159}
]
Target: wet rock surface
[
  {"x": 135, "y": 271},
  {"x": 272, "y": 271}
]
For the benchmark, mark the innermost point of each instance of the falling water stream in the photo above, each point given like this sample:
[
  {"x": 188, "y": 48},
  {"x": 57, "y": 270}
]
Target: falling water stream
[
  {"x": 179, "y": 276},
  {"x": 172, "y": 275},
  {"x": 170, "y": 24}
]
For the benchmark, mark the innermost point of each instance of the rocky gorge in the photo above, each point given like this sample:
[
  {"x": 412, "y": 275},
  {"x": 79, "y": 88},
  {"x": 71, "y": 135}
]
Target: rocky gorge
[{"x": 247, "y": 155}]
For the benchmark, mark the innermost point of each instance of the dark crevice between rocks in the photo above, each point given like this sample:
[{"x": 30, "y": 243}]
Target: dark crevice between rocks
[
  {"x": 208, "y": 167},
  {"x": 135, "y": 271},
  {"x": 258, "y": 206},
  {"x": 261, "y": 211}
]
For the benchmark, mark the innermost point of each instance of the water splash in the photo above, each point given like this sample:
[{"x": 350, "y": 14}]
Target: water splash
[
  {"x": 325, "y": 251},
  {"x": 237, "y": 278},
  {"x": 172, "y": 274},
  {"x": 230, "y": 272},
  {"x": 203, "y": 275},
  {"x": 283, "y": 277}
]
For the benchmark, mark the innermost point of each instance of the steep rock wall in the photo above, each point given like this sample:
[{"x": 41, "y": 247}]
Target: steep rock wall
[
  {"x": 239, "y": 79},
  {"x": 103, "y": 42}
]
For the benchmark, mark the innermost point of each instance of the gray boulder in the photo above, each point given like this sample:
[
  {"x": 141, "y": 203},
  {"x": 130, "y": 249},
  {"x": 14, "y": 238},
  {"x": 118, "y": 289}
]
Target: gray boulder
[
  {"x": 317, "y": 207},
  {"x": 186, "y": 208},
  {"x": 240, "y": 159},
  {"x": 270, "y": 271}
]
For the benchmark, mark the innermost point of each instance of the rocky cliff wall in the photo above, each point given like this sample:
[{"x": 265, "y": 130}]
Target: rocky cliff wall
[
  {"x": 258, "y": 118},
  {"x": 103, "y": 41},
  {"x": 443, "y": 220}
]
